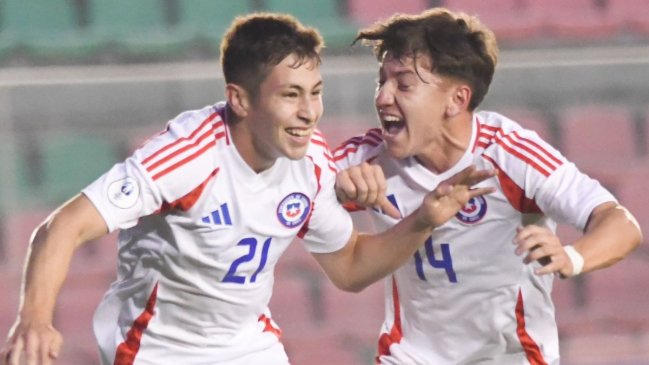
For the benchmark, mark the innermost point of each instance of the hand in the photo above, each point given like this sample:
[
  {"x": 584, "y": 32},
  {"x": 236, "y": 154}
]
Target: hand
[
  {"x": 542, "y": 245},
  {"x": 40, "y": 344},
  {"x": 451, "y": 195},
  {"x": 365, "y": 185}
]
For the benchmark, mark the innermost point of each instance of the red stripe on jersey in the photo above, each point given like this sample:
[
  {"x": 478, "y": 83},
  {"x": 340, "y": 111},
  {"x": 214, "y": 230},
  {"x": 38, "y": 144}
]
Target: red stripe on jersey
[
  {"x": 514, "y": 193},
  {"x": 521, "y": 143},
  {"x": 545, "y": 152},
  {"x": 522, "y": 157},
  {"x": 177, "y": 152},
  {"x": 186, "y": 202},
  {"x": 269, "y": 327},
  {"x": 184, "y": 161},
  {"x": 326, "y": 153},
  {"x": 191, "y": 136},
  {"x": 534, "y": 355},
  {"x": 494, "y": 134},
  {"x": 127, "y": 350},
  {"x": 395, "y": 334}
]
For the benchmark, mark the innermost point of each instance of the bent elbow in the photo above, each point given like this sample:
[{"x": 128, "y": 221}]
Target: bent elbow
[{"x": 350, "y": 285}]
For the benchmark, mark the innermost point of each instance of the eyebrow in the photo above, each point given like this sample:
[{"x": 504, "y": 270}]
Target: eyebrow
[{"x": 300, "y": 88}]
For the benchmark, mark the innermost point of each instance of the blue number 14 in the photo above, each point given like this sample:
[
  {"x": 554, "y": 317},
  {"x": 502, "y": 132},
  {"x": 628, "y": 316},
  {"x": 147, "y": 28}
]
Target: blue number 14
[{"x": 446, "y": 262}]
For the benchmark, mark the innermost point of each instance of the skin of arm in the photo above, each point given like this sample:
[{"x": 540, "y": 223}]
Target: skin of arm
[
  {"x": 50, "y": 253},
  {"x": 611, "y": 234},
  {"x": 368, "y": 258}
]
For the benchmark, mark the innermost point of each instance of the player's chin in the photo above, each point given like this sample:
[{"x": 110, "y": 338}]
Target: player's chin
[{"x": 295, "y": 153}]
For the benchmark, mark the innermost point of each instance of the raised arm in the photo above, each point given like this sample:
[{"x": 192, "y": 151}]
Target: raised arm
[
  {"x": 368, "y": 258},
  {"x": 51, "y": 249}
]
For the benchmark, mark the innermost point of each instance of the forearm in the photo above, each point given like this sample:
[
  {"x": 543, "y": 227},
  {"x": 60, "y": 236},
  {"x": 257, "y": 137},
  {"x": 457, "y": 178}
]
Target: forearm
[
  {"x": 50, "y": 253},
  {"x": 378, "y": 255},
  {"x": 611, "y": 234},
  {"x": 46, "y": 267}
]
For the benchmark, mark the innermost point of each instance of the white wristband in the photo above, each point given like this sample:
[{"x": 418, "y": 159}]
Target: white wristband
[{"x": 576, "y": 259}]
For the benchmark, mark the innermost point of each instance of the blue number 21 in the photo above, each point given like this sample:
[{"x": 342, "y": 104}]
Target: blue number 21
[
  {"x": 251, "y": 242},
  {"x": 445, "y": 262}
]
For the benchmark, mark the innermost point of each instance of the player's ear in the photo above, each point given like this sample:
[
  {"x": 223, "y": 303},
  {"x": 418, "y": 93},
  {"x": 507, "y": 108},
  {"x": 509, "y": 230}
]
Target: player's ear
[
  {"x": 459, "y": 100},
  {"x": 238, "y": 99}
]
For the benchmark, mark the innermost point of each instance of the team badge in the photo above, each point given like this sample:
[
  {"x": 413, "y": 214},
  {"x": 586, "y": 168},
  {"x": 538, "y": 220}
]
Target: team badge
[
  {"x": 293, "y": 210},
  {"x": 123, "y": 193},
  {"x": 473, "y": 211}
]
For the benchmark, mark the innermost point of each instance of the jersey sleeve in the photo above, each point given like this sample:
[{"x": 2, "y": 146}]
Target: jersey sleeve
[
  {"x": 330, "y": 226},
  {"x": 165, "y": 169},
  {"x": 359, "y": 149},
  {"x": 537, "y": 178},
  {"x": 569, "y": 196}
]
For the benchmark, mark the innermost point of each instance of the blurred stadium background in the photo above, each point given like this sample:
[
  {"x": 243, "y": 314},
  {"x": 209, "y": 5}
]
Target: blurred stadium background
[{"x": 83, "y": 82}]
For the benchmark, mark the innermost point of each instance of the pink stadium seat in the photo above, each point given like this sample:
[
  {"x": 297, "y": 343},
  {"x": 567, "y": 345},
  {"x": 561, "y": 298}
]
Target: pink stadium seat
[
  {"x": 533, "y": 120},
  {"x": 616, "y": 300},
  {"x": 632, "y": 193},
  {"x": 579, "y": 19},
  {"x": 357, "y": 315},
  {"x": 599, "y": 139},
  {"x": 510, "y": 20},
  {"x": 291, "y": 304},
  {"x": 321, "y": 348},
  {"x": 367, "y": 12},
  {"x": 633, "y": 14}
]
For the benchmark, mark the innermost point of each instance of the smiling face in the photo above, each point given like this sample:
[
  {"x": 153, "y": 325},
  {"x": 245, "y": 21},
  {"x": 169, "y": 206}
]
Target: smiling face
[
  {"x": 281, "y": 118},
  {"x": 413, "y": 105}
]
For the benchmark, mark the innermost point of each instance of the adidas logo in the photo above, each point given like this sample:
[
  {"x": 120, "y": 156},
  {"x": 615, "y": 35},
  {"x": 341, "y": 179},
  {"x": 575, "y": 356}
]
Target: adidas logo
[{"x": 220, "y": 216}]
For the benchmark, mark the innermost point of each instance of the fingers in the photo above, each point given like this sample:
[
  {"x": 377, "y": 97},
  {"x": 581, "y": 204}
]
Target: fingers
[
  {"x": 345, "y": 189},
  {"x": 365, "y": 184},
  {"x": 39, "y": 346},
  {"x": 15, "y": 351},
  {"x": 542, "y": 245},
  {"x": 470, "y": 176},
  {"x": 388, "y": 208}
]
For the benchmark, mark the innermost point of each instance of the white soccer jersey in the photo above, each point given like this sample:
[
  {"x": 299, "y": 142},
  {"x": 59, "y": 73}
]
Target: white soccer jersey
[
  {"x": 465, "y": 297},
  {"x": 201, "y": 234}
]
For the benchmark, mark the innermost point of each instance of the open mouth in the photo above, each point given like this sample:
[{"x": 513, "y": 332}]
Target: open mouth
[{"x": 392, "y": 124}]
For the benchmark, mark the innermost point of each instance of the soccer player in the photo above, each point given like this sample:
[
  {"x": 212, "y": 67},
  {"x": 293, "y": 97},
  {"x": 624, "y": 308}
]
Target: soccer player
[
  {"x": 478, "y": 290},
  {"x": 205, "y": 210}
]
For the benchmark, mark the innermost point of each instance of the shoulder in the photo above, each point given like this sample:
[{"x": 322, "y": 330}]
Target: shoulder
[
  {"x": 508, "y": 145},
  {"x": 359, "y": 148}
]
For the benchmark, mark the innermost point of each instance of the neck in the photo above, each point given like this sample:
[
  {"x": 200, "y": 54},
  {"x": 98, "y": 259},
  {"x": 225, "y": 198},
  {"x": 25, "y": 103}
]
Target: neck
[
  {"x": 451, "y": 145},
  {"x": 246, "y": 146}
]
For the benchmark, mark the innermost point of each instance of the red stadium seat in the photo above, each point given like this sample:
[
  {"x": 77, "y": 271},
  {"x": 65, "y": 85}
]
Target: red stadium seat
[
  {"x": 369, "y": 11},
  {"x": 510, "y": 20}
]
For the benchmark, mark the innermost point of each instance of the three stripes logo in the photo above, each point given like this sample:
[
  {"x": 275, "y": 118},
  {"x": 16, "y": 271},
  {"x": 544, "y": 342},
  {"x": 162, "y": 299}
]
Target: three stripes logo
[{"x": 219, "y": 216}]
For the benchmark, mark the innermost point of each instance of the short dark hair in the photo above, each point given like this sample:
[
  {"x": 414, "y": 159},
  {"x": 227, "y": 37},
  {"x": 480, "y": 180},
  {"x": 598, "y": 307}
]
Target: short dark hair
[
  {"x": 459, "y": 45},
  {"x": 256, "y": 43}
]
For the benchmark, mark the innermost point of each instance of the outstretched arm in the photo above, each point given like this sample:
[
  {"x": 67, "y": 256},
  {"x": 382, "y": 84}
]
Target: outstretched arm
[
  {"x": 368, "y": 258},
  {"x": 610, "y": 235},
  {"x": 51, "y": 249}
]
